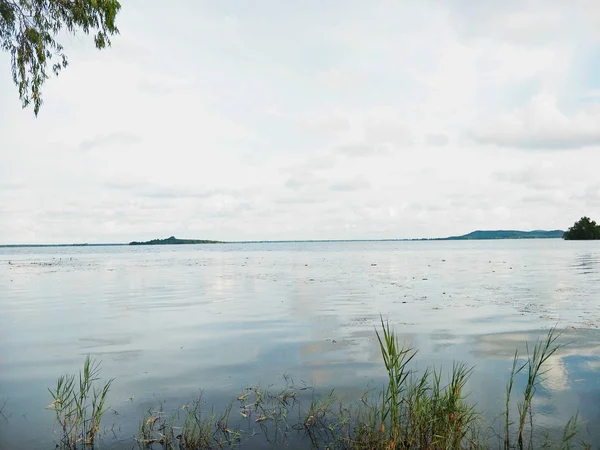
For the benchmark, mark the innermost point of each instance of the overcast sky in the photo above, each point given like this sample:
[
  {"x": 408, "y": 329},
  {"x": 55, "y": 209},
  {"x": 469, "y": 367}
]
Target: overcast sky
[{"x": 310, "y": 120}]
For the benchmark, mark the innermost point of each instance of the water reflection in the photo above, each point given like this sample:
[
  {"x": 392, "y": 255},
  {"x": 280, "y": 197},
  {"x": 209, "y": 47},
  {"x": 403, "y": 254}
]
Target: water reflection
[
  {"x": 571, "y": 373},
  {"x": 167, "y": 322}
]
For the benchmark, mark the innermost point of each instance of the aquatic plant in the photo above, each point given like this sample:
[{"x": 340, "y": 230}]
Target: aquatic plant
[
  {"x": 427, "y": 411},
  {"x": 79, "y": 405},
  {"x": 541, "y": 352},
  {"x": 416, "y": 411},
  {"x": 197, "y": 431}
]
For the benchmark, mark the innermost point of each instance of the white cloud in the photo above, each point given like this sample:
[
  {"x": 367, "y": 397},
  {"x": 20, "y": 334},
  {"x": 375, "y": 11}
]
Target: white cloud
[
  {"x": 392, "y": 119},
  {"x": 301, "y": 181},
  {"x": 121, "y": 138},
  {"x": 341, "y": 81},
  {"x": 381, "y": 130},
  {"x": 362, "y": 149},
  {"x": 541, "y": 125},
  {"x": 355, "y": 184},
  {"x": 326, "y": 124},
  {"x": 437, "y": 139}
]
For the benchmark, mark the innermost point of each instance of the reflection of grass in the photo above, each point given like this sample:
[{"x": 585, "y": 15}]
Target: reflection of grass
[
  {"x": 413, "y": 411},
  {"x": 2, "y": 406}
]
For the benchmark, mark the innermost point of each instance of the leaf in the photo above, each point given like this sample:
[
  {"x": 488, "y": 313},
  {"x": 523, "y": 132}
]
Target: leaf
[{"x": 28, "y": 31}]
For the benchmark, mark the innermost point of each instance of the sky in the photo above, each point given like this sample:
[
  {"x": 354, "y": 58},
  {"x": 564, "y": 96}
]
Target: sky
[{"x": 273, "y": 120}]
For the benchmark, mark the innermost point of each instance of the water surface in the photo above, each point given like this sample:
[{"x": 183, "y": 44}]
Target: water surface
[{"x": 167, "y": 321}]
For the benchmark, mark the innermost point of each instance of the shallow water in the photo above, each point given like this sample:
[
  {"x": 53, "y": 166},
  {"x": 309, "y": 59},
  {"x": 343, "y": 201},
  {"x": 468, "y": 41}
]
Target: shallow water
[{"x": 167, "y": 321}]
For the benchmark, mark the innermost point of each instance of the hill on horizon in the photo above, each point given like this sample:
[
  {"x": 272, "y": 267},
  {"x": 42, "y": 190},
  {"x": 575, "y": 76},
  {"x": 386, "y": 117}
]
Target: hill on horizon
[
  {"x": 509, "y": 234},
  {"x": 174, "y": 241}
]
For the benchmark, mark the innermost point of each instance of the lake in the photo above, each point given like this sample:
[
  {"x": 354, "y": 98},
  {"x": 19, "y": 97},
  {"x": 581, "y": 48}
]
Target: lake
[{"x": 167, "y": 321}]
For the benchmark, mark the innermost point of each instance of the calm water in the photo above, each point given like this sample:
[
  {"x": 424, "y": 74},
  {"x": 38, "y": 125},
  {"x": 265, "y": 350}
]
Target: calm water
[{"x": 168, "y": 321}]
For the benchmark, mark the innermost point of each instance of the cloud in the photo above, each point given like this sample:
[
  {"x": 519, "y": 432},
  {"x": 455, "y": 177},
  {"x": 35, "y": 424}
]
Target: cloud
[
  {"x": 326, "y": 124},
  {"x": 523, "y": 23},
  {"x": 11, "y": 186},
  {"x": 175, "y": 193},
  {"x": 319, "y": 124},
  {"x": 309, "y": 174},
  {"x": 117, "y": 138},
  {"x": 437, "y": 139},
  {"x": 161, "y": 84},
  {"x": 171, "y": 192},
  {"x": 355, "y": 184},
  {"x": 313, "y": 164},
  {"x": 593, "y": 94},
  {"x": 155, "y": 87},
  {"x": 340, "y": 80},
  {"x": 534, "y": 177},
  {"x": 299, "y": 200},
  {"x": 302, "y": 180},
  {"x": 358, "y": 150},
  {"x": 590, "y": 194},
  {"x": 381, "y": 130},
  {"x": 355, "y": 149},
  {"x": 553, "y": 199},
  {"x": 540, "y": 125}
]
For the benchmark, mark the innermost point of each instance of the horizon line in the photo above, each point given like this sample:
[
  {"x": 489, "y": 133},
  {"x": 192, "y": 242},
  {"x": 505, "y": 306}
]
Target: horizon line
[{"x": 281, "y": 241}]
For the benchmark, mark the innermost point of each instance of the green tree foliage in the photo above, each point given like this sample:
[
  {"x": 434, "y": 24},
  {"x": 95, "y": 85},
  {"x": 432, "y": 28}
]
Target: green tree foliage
[
  {"x": 585, "y": 229},
  {"x": 28, "y": 29}
]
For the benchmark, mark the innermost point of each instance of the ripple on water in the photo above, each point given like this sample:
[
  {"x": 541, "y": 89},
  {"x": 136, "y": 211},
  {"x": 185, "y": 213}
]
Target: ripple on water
[{"x": 167, "y": 322}]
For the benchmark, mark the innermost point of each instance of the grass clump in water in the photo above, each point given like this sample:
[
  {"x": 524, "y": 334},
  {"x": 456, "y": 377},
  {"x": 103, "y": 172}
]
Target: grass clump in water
[
  {"x": 416, "y": 411},
  {"x": 79, "y": 405},
  {"x": 196, "y": 431}
]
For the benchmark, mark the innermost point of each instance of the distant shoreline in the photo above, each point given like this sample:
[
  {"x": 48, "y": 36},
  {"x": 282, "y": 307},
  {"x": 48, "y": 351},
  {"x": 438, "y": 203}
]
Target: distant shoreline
[{"x": 475, "y": 235}]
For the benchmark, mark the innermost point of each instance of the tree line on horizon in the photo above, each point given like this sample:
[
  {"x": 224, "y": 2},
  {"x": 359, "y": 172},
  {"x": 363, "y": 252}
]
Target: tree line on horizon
[{"x": 583, "y": 230}]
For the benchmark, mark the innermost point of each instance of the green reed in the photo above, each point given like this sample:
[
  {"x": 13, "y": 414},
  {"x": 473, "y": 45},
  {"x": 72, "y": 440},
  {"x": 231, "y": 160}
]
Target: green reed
[
  {"x": 417, "y": 411},
  {"x": 79, "y": 405},
  {"x": 427, "y": 411},
  {"x": 196, "y": 430},
  {"x": 535, "y": 367}
]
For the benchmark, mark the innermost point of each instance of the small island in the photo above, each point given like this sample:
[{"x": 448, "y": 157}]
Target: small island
[{"x": 174, "y": 241}]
